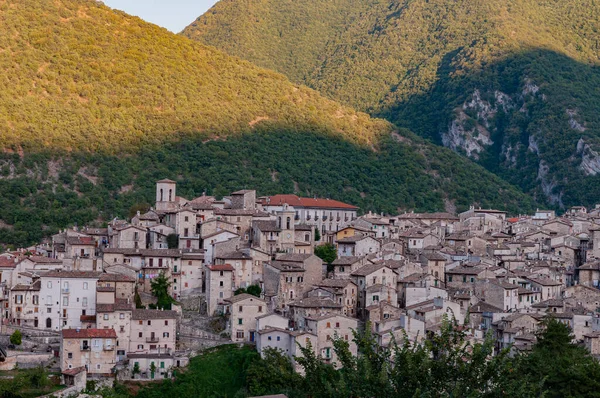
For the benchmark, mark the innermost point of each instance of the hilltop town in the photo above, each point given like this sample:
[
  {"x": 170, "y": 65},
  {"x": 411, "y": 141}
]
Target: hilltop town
[{"x": 140, "y": 297}]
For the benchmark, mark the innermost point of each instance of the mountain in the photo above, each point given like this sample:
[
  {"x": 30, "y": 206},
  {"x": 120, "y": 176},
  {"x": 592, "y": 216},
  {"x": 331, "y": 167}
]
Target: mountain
[
  {"x": 510, "y": 84},
  {"x": 96, "y": 105}
]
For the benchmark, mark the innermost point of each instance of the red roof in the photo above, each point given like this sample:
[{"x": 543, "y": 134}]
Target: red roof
[
  {"x": 88, "y": 333},
  {"x": 513, "y": 220},
  {"x": 221, "y": 267},
  {"x": 7, "y": 262},
  {"x": 296, "y": 201}
]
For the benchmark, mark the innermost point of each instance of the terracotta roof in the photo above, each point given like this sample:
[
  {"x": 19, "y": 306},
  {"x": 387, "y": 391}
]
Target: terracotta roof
[
  {"x": 74, "y": 371},
  {"x": 266, "y": 226},
  {"x": 368, "y": 269},
  {"x": 119, "y": 305},
  {"x": 71, "y": 274},
  {"x": 429, "y": 216},
  {"x": 286, "y": 267},
  {"x": 88, "y": 333},
  {"x": 353, "y": 239},
  {"x": 243, "y": 296},
  {"x": 346, "y": 260},
  {"x": 238, "y": 255},
  {"x": 6, "y": 262},
  {"x": 153, "y": 314},
  {"x": 296, "y": 201},
  {"x": 115, "y": 278},
  {"x": 80, "y": 240},
  {"x": 335, "y": 283},
  {"x": 87, "y": 318},
  {"x": 221, "y": 267},
  {"x": 294, "y": 257},
  {"x": 315, "y": 302}
]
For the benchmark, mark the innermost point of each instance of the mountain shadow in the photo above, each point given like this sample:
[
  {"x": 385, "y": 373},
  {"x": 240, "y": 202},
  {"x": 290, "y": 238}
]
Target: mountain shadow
[{"x": 531, "y": 118}]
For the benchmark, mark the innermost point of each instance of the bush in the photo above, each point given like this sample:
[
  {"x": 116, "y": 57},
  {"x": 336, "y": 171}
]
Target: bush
[{"x": 16, "y": 337}]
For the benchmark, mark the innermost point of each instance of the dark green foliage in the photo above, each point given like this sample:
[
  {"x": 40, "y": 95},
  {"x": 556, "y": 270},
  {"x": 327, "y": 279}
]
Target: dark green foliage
[
  {"x": 274, "y": 374},
  {"x": 317, "y": 235},
  {"x": 172, "y": 241},
  {"x": 219, "y": 372},
  {"x": 561, "y": 368},
  {"x": 327, "y": 253},
  {"x": 254, "y": 290},
  {"x": 137, "y": 299},
  {"x": 16, "y": 337},
  {"x": 28, "y": 383},
  {"x": 403, "y": 173},
  {"x": 160, "y": 289}
]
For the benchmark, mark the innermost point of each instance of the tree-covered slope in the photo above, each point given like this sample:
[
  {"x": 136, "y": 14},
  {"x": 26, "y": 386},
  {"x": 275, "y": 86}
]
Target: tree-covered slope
[
  {"x": 75, "y": 74},
  {"x": 512, "y": 84},
  {"x": 95, "y": 106}
]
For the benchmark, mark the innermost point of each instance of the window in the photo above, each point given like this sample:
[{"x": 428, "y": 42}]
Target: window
[
  {"x": 328, "y": 324},
  {"x": 19, "y": 299},
  {"x": 49, "y": 285},
  {"x": 240, "y": 321},
  {"x": 85, "y": 286},
  {"x": 106, "y": 317},
  {"x": 121, "y": 316},
  {"x": 165, "y": 334},
  {"x": 70, "y": 355},
  {"x": 140, "y": 322},
  {"x": 186, "y": 218},
  {"x": 140, "y": 347},
  {"x": 337, "y": 324},
  {"x": 149, "y": 323},
  {"x": 449, "y": 278},
  {"x": 98, "y": 366},
  {"x": 269, "y": 338},
  {"x": 221, "y": 283},
  {"x": 140, "y": 334},
  {"x": 48, "y": 310},
  {"x": 220, "y": 294},
  {"x": 162, "y": 364},
  {"x": 65, "y": 300},
  {"x": 260, "y": 308},
  {"x": 239, "y": 334},
  {"x": 221, "y": 273},
  {"x": 166, "y": 323},
  {"x": 240, "y": 308},
  {"x": 278, "y": 338},
  {"x": 121, "y": 329}
]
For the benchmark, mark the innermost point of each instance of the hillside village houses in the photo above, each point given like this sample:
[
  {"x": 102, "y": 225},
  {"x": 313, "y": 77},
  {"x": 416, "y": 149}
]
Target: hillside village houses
[{"x": 403, "y": 274}]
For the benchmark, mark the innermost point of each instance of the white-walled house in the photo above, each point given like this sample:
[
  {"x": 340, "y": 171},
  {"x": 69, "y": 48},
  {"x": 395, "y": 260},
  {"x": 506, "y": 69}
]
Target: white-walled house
[{"x": 65, "y": 296}]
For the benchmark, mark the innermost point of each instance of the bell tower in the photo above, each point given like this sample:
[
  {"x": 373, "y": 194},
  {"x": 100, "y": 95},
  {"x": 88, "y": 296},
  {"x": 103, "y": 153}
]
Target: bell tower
[{"x": 165, "y": 194}]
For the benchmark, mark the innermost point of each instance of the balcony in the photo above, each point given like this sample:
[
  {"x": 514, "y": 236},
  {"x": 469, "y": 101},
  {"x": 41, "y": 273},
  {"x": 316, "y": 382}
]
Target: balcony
[
  {"x": 85, "y": 348},
  {"x": 324, "y": 218},
  {"x": 65, "y": 290},
  {"x": 109, "y": 348},
  {"x": 151, "y": 339}
]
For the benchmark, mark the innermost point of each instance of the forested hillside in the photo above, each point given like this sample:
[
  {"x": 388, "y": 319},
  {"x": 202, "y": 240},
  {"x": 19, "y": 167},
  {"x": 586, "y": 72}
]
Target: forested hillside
[
  {"x": 511, "y": 84},
  {"x": 95, "y": 106}
]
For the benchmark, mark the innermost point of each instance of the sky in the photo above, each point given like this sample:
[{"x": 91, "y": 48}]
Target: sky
[{"x": 171, "y": 14}]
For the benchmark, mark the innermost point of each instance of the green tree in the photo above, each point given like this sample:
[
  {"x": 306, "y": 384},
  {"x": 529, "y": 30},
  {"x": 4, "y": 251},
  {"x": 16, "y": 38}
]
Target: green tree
[
  {"x": 273, "y": 374},
  {"x": 16, "y": 337},
  {"x": 152, "y": 369},
  {"x": 560, "y": 367},
  {"x": 254, "y": 290},
  {"x": 327, "y": 253},
  {"x": 173, "y": 241},
  {"x": 160, "y": 289},
  {"x": 137, "y": 299},
  {"x": 136, "y": 370},
  {"x": 317, "y": 235}
]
